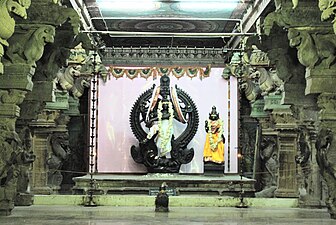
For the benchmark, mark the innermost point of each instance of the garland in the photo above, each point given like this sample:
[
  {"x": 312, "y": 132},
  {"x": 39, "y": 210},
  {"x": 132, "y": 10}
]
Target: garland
[
  {"x": 213, "y": 144},
  {"x": 165, "y": 135},
  {"x": 178, "y": 72}
]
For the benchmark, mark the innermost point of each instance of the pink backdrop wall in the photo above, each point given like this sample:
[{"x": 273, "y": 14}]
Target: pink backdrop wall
[{"x": 117, "y": 96}]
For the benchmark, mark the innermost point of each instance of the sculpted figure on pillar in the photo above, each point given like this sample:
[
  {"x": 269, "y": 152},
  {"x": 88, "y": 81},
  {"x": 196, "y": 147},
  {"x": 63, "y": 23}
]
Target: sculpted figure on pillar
[
  {"x": 250, "y": 89},
  {"x": 28, "y": 45},
  {"x": 268, "y": 80},
  {"x": 303, "y": 159},
  {"x": 26, "y": 145},
  {"x": 12, "y": 158},
  {"x": 314, "y": 49},
  {"x": 328, "y": 8},
  {"x": 269, "y": 166},
  {"x": 60, "y": 152},
  {"x": 8, "y": 7},
  {"x": 325, "y": 157},
  {"x": 71, "y": 77}
]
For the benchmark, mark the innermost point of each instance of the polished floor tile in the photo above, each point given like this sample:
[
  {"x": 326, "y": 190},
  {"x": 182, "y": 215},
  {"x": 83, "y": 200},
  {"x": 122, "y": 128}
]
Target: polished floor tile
[{"x": 105, "y": 215}]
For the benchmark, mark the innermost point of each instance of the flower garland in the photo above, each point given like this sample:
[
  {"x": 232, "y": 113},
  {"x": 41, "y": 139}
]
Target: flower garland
[
  {"x": 213, "y": 144},
  {"x": 146, "y": 72},
  {"x": 165, "y": 134}
]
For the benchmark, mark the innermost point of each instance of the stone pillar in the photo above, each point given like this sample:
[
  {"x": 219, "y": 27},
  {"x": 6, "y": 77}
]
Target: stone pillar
[
  {"x": 24, "y": 49},
  {"x": 314, "y": 42},
  {"x": 313, "y": 195},
  {"x": 50, "y": 142},
  {"x": 286, "y": 126},
  {"x": 265, "y": 148},
  {"x": 76, "y": 165},
  {"x": 326, "y": 147},
  {"x": 43, "y": 128},
  {"x": 13, "y": 87}
]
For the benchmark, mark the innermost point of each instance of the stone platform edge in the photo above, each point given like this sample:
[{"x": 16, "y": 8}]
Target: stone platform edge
[{"x": 174, "y": 201}]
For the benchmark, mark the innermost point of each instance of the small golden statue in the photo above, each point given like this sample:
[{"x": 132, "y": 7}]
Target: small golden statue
[{"x": 214, "y": 143}]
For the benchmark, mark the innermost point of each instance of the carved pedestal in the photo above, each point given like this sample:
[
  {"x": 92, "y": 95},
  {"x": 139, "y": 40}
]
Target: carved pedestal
[
  {"x": 41, "y": 146},
  {"x": 257, "y": 110},
  {"x": 320, "y": 80},
  {"x": 48, "y": 146},
  {"x": 287, "y": 185},
  {"x": 286, "y": 126},
  {"x": 50, "y": 142}
]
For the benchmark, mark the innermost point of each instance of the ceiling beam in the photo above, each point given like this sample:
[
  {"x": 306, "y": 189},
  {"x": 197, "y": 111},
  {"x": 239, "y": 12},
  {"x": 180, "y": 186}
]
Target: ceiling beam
[
  {"x": 163, "y": 18},
  {"x": 249, "y": 19},
  {"x": 168, "y": 34},
  {"x": 83, "y": 13}
]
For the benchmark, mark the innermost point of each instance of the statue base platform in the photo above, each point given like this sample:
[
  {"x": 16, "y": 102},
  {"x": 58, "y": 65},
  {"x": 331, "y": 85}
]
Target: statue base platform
[
  {"x": 213, "y": 169},
  {"x": 24, "y": 199},
  {"x": 183, "y": 184}
]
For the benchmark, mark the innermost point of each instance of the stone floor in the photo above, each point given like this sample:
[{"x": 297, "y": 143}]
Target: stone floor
[{"x": 106, "y": 215}]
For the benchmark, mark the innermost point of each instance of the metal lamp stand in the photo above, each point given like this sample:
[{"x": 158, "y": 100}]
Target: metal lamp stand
[{"x": 242, "y": 203}]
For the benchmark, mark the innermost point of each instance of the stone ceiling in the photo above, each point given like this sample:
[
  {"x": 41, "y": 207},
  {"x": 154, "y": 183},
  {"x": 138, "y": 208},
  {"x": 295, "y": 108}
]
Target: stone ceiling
[{"x": 187, "y": 23}]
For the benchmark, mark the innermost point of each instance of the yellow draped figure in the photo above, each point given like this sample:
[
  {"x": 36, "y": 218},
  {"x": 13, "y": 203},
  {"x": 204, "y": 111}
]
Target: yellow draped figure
[{"x": 214, "y": 143}]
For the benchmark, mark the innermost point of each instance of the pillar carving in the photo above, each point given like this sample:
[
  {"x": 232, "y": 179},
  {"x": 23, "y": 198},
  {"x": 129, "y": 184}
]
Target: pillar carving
[
  {"x": 314, "y": 43},
  {"x": 8, "y": 7},
  {"x": 286, "y": 125},
  {"x": 44, "y": 105},
  {"x": 14, "y": 155},
  {"x": 327, "y": 8},
  {"x": 50, "y": 143},
  {"x": 309, "y": 179},
  {"x": 325, "y": 147},
  {"x": 25, "y": 41}
]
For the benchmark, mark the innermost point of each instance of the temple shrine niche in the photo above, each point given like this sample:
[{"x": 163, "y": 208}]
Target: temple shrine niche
[
  {"x": 162, "y": 131},
  {"x": 135, "y": 120}
]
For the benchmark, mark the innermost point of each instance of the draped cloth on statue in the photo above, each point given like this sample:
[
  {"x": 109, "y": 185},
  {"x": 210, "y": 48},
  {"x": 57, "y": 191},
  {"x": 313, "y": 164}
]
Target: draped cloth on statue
[{"x": 214, "y": 143}]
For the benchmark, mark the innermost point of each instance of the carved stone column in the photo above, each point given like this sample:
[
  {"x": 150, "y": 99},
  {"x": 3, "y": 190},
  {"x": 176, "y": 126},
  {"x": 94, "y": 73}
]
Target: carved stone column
[
  {"x": 76, "y": 165},
  {"x": 286, "y": 126},
  {"x": 8, "y": 9},
  {"x": 43, "y": 128},
  {"x": 45, "y": 103},
  {"x": 47, "y": 130},
  {"x": 311, "y": 186},
  {"x": 12, "y": 155},
  {"x": 315, "y": 42},
  {"x": 50, "y": 143},
  {"x": 326, "y": 147}
]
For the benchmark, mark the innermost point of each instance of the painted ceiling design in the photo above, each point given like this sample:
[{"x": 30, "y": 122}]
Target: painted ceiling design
[{"x": 171, "y": 17}]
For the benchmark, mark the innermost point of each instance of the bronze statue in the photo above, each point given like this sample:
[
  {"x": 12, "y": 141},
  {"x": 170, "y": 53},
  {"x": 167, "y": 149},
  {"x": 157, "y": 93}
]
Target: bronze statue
[
  {"x": 152, "y": 118},
  {"x": 214, "y": 143}
]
